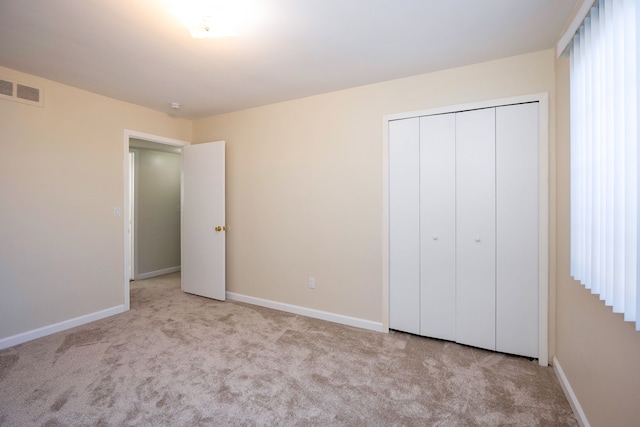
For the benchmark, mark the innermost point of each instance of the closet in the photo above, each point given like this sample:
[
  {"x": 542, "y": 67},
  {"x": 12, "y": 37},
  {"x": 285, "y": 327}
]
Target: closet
[{"x": 464, "y": 227}]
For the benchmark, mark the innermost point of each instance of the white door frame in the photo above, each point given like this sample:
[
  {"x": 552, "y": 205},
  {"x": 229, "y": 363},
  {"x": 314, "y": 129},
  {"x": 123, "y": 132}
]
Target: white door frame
[
  {"x": 133, "y": 158},
  {"x": 128, "y": 134},
  {"x": 543, "y": 185}
]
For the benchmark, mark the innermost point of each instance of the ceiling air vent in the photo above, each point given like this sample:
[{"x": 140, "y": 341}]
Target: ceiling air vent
[{"x": 13, "y": 91}]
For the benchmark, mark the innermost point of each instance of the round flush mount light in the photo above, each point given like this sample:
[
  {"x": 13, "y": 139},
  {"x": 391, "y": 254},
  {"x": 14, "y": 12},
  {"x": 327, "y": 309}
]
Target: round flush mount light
[
  {"x": 216, "y": 18},
  {"x": 175, "y": 106}
]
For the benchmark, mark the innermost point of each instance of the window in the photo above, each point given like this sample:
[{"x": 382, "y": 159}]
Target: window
[{"x": 604, "y": 155}]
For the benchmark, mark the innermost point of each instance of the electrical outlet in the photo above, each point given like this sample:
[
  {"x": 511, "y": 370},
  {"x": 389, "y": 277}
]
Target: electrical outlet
[{"x": 312, "y": 282}]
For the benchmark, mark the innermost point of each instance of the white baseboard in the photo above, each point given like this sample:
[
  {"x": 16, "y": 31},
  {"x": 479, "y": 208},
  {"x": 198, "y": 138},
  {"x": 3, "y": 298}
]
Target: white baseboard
[
  {"x": 568, "y": 392},
  {"x": 57, "y": 327},
  {"x": 309, "y": 312},
  {"x": 158, "y": 273}
]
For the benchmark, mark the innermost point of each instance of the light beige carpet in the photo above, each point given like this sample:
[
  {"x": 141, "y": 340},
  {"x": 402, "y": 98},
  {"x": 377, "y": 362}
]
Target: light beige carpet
[{"x": 180, "y": 360}]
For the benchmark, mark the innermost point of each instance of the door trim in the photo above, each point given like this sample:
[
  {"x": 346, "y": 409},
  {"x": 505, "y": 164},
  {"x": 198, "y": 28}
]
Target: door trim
[
  {"x": 543, "y": 185},
  {"x": 128, "y": 134}
]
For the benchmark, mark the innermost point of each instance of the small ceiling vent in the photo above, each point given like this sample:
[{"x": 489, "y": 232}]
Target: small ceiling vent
[{"x": 18, "y": 92}]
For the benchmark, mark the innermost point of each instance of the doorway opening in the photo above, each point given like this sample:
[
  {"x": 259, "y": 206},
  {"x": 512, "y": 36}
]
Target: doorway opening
[
  {"x": 154, "y": 202},
  {"x": 147, "y": 154}
]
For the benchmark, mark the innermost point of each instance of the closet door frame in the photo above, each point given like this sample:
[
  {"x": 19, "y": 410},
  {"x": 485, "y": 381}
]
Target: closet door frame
[{"x": 543, "y": 205}]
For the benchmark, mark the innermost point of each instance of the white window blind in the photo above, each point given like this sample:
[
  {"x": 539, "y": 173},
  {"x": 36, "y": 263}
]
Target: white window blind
[{"x": 604, "y": 155}]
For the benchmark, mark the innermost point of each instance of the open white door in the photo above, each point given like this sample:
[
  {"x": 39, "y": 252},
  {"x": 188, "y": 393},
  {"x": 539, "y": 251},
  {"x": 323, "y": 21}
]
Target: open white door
[{"x": 203, "y": 220}]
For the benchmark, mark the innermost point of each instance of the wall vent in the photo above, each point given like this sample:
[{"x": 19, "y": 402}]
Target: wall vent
[
  {"x": 6, "y": 88},
  {"x": 18, "y": 92}
]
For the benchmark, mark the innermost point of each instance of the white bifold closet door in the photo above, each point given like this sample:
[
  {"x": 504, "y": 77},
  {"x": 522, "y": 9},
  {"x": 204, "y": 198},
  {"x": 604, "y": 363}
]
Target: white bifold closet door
[
  {"x": 476, "y": 228},
  {"x": 404, "y": 225},
  {"x": 438, "y": 226},
  {"x": 517, "y": 234},
  {"x": 463, "y": 224}
]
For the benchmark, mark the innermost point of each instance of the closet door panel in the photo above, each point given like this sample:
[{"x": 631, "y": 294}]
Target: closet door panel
[
  {"x": 404, "y": 225},
  {"x": 517, "y": 170},
  {"x": 437, "y": 226},
  {"x": 475, "y": 223}
]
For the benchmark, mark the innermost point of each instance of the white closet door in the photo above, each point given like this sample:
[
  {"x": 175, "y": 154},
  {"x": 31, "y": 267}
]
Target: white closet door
[
  {"x": 517, "y": 229},
  {"x": 404, "y": 225},
  {"x": 438, "y": 226},
  {"x": 475, "y": 223}
]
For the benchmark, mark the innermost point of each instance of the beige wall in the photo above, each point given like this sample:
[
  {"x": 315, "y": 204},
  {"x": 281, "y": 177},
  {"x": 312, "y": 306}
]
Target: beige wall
[
  {"x": 158, "y": 177},
  {"x": 304, "y": 198},
  {"x": 597, "y": 350},
  {"x": 61, "y": 175},
  {"x": 304, "y": 182}
]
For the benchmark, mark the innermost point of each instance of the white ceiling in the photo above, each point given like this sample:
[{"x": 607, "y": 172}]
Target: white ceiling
[{"x": 137, "y": 51}]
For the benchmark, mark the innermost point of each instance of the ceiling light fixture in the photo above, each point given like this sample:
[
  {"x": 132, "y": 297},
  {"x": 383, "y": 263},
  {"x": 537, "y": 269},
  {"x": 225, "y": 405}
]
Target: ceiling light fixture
[{"x": 210, "y": 18}]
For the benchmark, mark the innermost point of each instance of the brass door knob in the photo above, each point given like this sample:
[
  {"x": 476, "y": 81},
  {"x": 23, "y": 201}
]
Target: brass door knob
[{"x": 218, "y": 228}]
